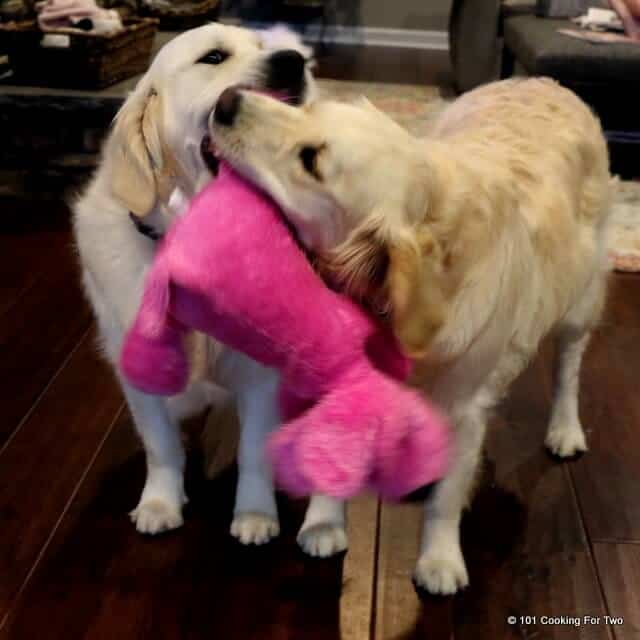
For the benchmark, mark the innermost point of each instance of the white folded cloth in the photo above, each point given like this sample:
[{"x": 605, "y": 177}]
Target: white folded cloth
[
  {"x": 54, "y": 14},
  {"x": 600, "y": 20}
]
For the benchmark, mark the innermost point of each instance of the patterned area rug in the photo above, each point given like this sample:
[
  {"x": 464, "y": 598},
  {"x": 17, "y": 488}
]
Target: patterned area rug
[
  {"x": 624, "y": 235},
  {"x": 416, "y": 107}
]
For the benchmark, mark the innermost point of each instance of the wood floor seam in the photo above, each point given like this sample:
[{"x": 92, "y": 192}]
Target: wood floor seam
[
  {"x": 589, "y": 546},
  {"x": 60, "y": 518},
  {"x": 376, "y": 560},
  {"x": 44, "y": 390}
]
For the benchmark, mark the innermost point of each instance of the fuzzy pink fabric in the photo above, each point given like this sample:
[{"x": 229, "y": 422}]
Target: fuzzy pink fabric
[{"x": 230, "y": 268}]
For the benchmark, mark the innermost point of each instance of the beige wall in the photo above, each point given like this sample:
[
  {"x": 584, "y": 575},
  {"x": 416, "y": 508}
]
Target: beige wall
[
  {"x": 390, "y": 14},
  {"x": 405, "y": 14}
]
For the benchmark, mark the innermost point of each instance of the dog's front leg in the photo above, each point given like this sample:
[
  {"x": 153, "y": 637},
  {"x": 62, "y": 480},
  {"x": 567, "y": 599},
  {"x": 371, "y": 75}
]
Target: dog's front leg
[
  {"x": 323, "y": 531},
  {"x": 441, "y": 568},
  {"x": 255, "y": 514},
  {"x": 255, "y": 519},
  {"x": 163, "y": 496}
]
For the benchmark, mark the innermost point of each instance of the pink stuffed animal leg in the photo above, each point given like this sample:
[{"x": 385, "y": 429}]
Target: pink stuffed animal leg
[
  {"x": 230, "y": 268},
  {"x": 153, "y": 357},
  {"x": 369, "y": 430}
]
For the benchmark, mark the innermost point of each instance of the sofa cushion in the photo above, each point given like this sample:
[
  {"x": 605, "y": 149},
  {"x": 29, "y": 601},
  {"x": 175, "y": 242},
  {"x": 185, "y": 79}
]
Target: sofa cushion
[
  {"x": 541, "y": 50},
  {"x": 567, "y": 8}
]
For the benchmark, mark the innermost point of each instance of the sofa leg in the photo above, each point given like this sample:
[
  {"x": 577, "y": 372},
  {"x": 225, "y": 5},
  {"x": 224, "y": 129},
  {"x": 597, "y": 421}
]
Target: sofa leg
[{"x": 473, "y": 37}]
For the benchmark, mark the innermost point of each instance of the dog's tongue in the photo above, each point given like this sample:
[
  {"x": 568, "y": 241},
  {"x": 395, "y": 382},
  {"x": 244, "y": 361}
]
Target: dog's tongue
[{"x": 282, "y": 96}]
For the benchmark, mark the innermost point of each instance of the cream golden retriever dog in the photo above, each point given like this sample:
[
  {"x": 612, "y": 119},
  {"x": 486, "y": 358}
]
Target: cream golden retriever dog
[
  {"x": 474, "y": 244},
  {"x": 155, "y": 158}
]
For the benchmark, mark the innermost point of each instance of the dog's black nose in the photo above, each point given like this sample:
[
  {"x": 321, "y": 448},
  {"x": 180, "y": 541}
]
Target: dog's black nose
[
  {"x": 227, "y": 106},
  {"x": 286, "y": 71}
]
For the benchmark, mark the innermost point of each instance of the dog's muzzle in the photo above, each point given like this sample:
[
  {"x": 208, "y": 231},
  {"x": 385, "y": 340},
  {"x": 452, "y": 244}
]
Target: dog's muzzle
[
  {"x": 286, "y": 75},
  {"x": 227, "y": 107}
]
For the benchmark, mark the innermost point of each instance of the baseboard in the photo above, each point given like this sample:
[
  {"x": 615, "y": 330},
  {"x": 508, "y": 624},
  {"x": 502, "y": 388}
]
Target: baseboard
[{"x": 365, "y": 36}]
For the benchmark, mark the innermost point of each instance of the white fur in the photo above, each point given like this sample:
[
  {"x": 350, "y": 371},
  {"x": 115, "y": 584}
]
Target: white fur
[
  {"x": 323, "y": 532},
  {"x": 488, "y": 235},
  {"x": 153, "y": 157}
]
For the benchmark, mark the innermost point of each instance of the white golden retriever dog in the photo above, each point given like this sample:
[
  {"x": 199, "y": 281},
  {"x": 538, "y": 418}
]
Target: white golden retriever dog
[
  {"x": 474, "y": 244},
  {"x": 155, "y": 158}
]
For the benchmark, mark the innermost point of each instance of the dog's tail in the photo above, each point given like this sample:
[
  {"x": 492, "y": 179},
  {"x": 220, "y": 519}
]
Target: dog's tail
[{"x": 153, "y": 358}]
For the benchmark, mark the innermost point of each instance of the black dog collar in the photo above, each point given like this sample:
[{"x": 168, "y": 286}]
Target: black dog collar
[{"x": 144, "y": 228}]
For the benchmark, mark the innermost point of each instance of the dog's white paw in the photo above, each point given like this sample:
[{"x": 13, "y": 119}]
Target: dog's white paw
[
  {"x": 156, "y": 515},
  {"x": 323, "y": 540},
  {"x": 441, "y": 570},
  {"x": 566, "y": 441},
  {"x": 254, "y": 528}
]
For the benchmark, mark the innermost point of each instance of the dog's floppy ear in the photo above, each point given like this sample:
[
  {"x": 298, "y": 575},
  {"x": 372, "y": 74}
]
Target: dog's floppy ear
[
  {"x": 137, "y": 152},
  {"x": 415, "y": 289},
  {"x": 398, "y": 272}
]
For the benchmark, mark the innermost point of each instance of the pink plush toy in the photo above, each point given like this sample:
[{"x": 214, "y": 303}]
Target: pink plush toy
[{"x": 230, "y": 268}]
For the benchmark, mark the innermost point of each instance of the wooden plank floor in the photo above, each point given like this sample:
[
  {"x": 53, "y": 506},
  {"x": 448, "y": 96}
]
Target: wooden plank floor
[
  {"x": 543, "y": 538},
  {"x": 42, "y": 311}
]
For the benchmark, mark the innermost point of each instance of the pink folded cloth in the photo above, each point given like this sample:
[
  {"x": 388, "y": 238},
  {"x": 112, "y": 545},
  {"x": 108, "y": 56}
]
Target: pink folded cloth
[{"x": 56, "y": 14}]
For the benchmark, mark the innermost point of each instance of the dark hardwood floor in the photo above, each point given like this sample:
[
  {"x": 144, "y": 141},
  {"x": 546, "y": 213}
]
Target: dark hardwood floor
[{"x": 543, "y": 538}]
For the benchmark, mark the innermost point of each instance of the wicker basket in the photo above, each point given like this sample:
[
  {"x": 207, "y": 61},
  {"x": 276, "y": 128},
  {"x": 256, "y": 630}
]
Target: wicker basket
[
  {"x": 89, "y": 62},
  {"x": 180, "y": 16}
]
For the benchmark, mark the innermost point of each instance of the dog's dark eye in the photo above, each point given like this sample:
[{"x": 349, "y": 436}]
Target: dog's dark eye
[
  {"x": 215, "y": 56},
  {"x": 309, "y": 157}
]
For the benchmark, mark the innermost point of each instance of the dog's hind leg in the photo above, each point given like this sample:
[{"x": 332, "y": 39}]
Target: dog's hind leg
[{"x": 565, "y": 436}]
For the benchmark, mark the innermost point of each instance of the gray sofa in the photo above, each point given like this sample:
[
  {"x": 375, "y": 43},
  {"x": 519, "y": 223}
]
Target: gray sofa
[
  {"x": 537, "y": 46},
  {"x": 491, "y": 39}
]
